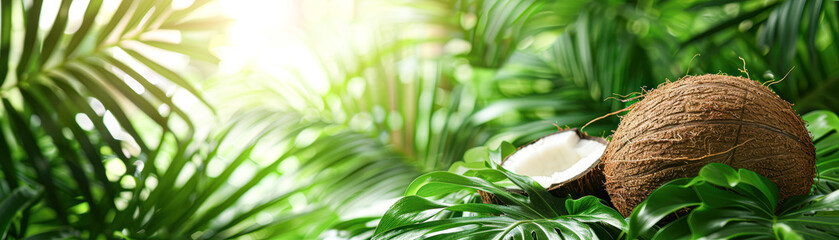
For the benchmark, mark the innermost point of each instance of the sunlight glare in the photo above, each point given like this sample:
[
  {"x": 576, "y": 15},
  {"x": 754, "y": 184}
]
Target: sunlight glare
[
  {"x": 181, "y": 4},
  {"x": 184, "y": 99},
  {"x": 49, "y": 8},
  {"x": 96, "y": 105},
  {"x": 151, "y": 182},
  {"x": 258, "y": 25},
  {"x": 137, "y": 87},
  {"x": 84, "y": 122},
  {"x": 163, "y": 109},
  {"x": 215, "y": 168},
  {"x": 114, "y": 169},
  {"x": 264, "y": 218},
  {"x": 270, "y": 35},
  {"x": 76, "y": 15},
  {"x": 242, "y": 175},
  {"x": 128, "y": 182},
  {"x": 113, "y": 126}
]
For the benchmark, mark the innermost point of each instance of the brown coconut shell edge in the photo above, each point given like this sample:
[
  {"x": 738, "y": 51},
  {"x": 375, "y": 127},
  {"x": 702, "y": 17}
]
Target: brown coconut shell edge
[{"x": 591, "y": 182}]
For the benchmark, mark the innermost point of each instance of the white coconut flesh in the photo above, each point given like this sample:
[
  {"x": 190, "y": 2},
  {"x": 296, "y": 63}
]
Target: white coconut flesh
[{"x": 556, "y": 158}]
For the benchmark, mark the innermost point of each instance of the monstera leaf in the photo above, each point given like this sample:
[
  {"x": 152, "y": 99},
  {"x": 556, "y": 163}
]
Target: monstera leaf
[
  {"x": 534, "y": 215},
  {"x": 824, "y": 125},
  {"x": 730, "y": 203}
]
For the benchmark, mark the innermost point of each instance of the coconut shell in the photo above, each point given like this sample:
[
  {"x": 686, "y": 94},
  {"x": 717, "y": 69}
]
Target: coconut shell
[
  {"x": 684, "y": 125},
  {"x": 584, "y": 184}
]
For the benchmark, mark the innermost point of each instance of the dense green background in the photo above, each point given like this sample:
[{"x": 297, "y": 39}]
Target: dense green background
[{"x": 87, "y": 155}]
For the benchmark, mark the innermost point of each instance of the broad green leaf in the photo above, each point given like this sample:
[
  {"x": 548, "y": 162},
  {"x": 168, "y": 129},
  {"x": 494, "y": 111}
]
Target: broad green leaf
[
  {"x": 539, "y": 214},
  {"x": 719, "y": 174},
  {"x": 665, "y": 200},
  {"x": 821, "y": 122},
  {"x": 408, "y": 210},
  {"x": 678, "y": 229},
  {"x": 706, "y": 220},
  {"x": 450, "y": 178},
  {"x": 782, "y": 231},
  {"x": 734, "y": 204},
  {"x": 824, "y": 126},
  {"x": 477, "y": 154},
  {"x": 592, "y": 209}
]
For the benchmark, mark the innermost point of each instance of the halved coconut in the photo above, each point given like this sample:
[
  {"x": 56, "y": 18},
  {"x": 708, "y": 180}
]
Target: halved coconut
[{"x": 566, "y": 163}]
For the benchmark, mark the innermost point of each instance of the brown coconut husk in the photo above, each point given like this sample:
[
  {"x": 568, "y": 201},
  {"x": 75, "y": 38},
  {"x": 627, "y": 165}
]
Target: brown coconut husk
[
  {"x": 589, "y": 182},
  {"x": 682, "y": 126}
]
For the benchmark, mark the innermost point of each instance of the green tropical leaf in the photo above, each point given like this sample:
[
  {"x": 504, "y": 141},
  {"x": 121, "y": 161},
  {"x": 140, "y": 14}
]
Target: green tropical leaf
[
  {"x": 824, "y": 125},
  {"x": 59, "y": 80},
  {"x": 733, "y": 204},
  {"x": 534, "y": 214}
]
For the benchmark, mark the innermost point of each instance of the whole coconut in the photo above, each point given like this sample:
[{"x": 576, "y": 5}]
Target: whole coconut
[{"x": 684, "y": 125}]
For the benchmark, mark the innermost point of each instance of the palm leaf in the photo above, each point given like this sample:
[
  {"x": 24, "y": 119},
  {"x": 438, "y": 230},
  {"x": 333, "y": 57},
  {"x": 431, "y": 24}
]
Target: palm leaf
[
  {"x": 55, "y": 75},
  {"x": 12, "y": 203}
]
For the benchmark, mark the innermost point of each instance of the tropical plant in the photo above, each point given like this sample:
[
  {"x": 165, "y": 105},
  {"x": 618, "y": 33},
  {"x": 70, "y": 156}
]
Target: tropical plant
[
  {"x": 446, "y": 205},
  {"x": 824, "y": 125},
  {"x": 76, "y": 162},
  {"x": 525, "y": 216},
  {"x": 485, "y": 72},
  {"x": 220, "y": 189},
  {"x": 408, "y": 94},
  {"x": 723, "y": 203},
  {"x": 730, "y": 203}
]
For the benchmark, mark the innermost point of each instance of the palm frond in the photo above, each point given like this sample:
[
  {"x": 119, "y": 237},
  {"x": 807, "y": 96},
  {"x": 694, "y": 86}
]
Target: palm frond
[{"x": 68, "y": 108}]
